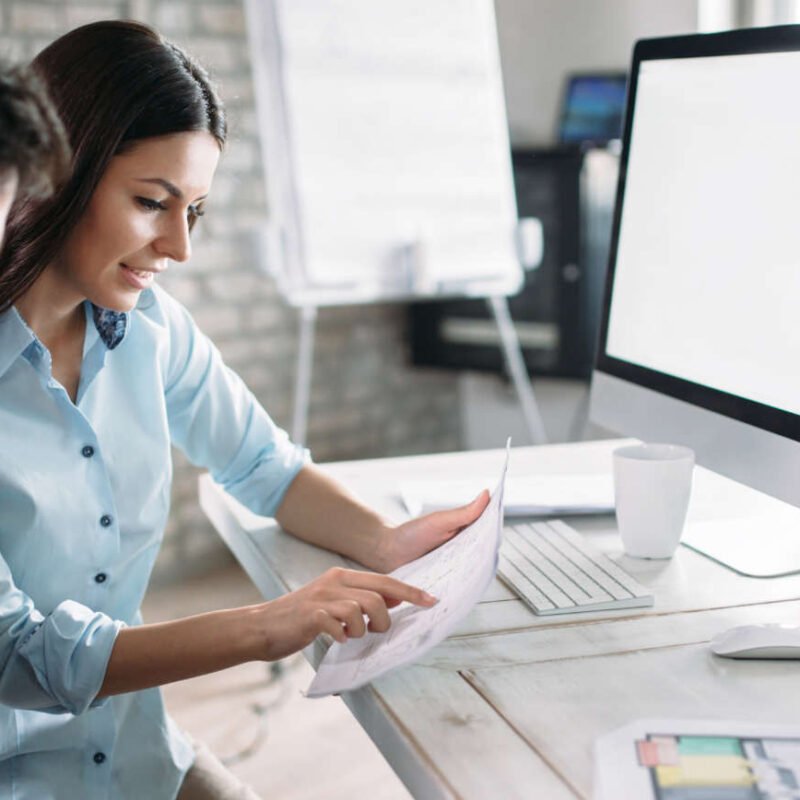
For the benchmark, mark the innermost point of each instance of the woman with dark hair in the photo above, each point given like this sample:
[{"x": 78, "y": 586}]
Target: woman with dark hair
[
  {"x": 100, "y": 373},
  {"x": 34, "y": 156}
]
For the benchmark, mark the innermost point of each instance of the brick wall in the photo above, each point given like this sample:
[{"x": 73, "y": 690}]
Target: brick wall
[{"x": 366, "y": 402}]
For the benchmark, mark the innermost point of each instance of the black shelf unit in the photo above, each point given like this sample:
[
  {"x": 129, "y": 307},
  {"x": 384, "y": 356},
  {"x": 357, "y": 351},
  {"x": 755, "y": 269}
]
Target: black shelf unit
[{"x": 556, "y": 312}]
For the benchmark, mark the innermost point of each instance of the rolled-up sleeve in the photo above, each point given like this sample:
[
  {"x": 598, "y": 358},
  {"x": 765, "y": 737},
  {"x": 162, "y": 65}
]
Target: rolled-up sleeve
[
  {"x": 219, "y": 424},
  {"x": 53, "y": 662}
]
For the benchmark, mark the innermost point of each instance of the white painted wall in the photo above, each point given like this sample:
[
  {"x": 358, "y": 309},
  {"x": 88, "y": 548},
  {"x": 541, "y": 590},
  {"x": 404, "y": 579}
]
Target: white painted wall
[{"x": 543, "y": 40}]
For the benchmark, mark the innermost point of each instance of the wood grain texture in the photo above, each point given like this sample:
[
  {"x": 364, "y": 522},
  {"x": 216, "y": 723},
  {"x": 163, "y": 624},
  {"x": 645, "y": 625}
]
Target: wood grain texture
[
  {"x": 562, "y": 706},
  {"x": 464, "y": 738}
]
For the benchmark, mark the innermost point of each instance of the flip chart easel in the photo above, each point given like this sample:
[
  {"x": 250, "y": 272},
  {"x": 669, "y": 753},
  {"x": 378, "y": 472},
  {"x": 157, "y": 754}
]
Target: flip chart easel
[{"x": 387, "y": 163}]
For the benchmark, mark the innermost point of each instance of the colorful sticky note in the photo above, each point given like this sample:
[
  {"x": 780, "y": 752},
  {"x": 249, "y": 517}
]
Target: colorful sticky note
[{"x": 709, "y": 745}]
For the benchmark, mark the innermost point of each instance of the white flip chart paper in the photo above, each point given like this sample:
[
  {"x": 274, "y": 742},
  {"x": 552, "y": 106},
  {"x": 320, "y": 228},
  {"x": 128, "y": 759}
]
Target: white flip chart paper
[{"x": 458, "y": 573}]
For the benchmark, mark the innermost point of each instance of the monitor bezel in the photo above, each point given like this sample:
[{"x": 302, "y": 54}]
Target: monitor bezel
[{"x": 785, "y": 38}]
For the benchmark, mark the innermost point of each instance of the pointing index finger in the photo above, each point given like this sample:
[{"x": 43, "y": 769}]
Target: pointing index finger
[{"x": 391, "y": 588}]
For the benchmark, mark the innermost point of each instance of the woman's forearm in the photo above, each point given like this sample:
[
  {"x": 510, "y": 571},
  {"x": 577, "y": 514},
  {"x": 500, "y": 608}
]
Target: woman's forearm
[
  {"x": 151, "y": 655},
  {"x": 318, "y": 510}
]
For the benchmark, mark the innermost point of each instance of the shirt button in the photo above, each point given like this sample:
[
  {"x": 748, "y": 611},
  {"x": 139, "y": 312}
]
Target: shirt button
[
  {"x": 87, "y": 451},
  {"x": 99, "y": 757},
  {"x": 105, "y": 520},
  {"x": 100, "y": 577}
]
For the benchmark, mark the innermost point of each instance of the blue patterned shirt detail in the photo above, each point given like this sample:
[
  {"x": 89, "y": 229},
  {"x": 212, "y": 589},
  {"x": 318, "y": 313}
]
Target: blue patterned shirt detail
[{"x": 111, "y": 325}]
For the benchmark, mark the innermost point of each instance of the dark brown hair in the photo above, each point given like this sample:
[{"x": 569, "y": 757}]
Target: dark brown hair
[
  {"x": 32, "y": 141},
  {"x": 113, "y": 83}
]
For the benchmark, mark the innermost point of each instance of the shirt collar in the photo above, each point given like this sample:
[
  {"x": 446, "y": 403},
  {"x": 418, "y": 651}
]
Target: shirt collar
[{"x": 15, "y": 336}]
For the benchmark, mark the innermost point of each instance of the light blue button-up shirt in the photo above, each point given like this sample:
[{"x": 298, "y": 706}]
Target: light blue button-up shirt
[{"x": 84, "y": 498}]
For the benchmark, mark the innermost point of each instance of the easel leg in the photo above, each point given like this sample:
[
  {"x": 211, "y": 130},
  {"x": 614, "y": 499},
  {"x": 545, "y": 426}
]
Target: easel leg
[
  {"x": 302, "y": 386},
  {"x": 516, "y": 369},
  {"x": 577, "y": 430}
]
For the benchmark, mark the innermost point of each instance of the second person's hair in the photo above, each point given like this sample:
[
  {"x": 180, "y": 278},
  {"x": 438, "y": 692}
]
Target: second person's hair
[{"x": 32, "y": 140}]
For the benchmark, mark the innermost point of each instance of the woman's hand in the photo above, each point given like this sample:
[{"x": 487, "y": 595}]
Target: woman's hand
[
  {"x": 343, "y": 603},
  {"x": 418, "y": 536}
]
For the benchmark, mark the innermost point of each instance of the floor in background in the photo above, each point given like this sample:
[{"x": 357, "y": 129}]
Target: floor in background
[
  {"x": 285, "y": 746},
  {"x": 490, "y": 411}
]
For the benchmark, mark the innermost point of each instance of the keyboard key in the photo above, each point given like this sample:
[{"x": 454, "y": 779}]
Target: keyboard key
[
  {"x": 518, "y": 578},
  {"x": 613, "y": 569},
  {"x": 592, "y": 565},
  {"x": 585, "y": 591},
  {"x": 528, "y": 557}
]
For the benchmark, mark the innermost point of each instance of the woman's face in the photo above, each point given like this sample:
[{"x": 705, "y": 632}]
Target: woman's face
[{"x": 138, "y": 218}]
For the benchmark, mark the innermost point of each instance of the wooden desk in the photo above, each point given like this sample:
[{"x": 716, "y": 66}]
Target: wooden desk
[{"x": 509, "y": 706}]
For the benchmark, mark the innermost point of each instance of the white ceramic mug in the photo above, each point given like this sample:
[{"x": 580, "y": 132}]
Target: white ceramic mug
[{"x": 652, "y": 486}]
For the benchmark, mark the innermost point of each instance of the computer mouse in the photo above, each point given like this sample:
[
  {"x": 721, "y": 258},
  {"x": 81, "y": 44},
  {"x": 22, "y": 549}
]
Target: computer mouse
[{"x": 758, "y": 641}]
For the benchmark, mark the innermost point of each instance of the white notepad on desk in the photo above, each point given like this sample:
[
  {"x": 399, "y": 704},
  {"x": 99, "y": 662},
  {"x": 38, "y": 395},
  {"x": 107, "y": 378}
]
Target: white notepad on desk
[{"x": 525, "y": 495}]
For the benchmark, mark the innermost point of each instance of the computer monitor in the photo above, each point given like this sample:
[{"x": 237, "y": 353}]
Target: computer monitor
[
  {"x": 591, "y": 108},
  {"x": 700, "y": 333}
]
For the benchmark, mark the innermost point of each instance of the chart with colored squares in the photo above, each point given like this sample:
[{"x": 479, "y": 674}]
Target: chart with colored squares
[{"x": 704, "y": 767}]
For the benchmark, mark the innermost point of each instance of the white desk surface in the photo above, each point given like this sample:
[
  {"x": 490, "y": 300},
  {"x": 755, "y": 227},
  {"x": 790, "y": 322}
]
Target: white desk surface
[{"x": 511, "y": 704}]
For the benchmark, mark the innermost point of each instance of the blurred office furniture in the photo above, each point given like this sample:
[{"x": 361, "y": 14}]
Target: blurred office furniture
[
  {"x": 571, "y": 190},
  {"x": 591, "y": 108}
]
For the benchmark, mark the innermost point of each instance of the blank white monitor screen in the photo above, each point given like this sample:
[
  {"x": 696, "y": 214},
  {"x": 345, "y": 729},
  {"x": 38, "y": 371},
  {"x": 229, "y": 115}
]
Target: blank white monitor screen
[{"x": 707, "y": 273}]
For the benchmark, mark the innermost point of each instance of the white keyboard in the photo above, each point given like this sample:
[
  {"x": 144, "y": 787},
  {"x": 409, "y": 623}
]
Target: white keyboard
[{"x": 553, "y": 569}]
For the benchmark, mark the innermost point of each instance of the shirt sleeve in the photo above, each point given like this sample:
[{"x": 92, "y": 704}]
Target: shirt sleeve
[
  {"x": 219, "y": 424},
  {"x": 54, "y": 662}
]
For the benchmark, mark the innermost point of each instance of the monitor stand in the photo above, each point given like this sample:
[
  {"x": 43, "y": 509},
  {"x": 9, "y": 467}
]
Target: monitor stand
[{"x": 763, "y": 546}]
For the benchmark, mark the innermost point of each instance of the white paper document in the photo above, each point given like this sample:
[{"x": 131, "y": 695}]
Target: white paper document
[
  {"x": 673, "y": 759},
  {"x": 525, "y": 495},
  {"x": 458, "y": 573}
]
